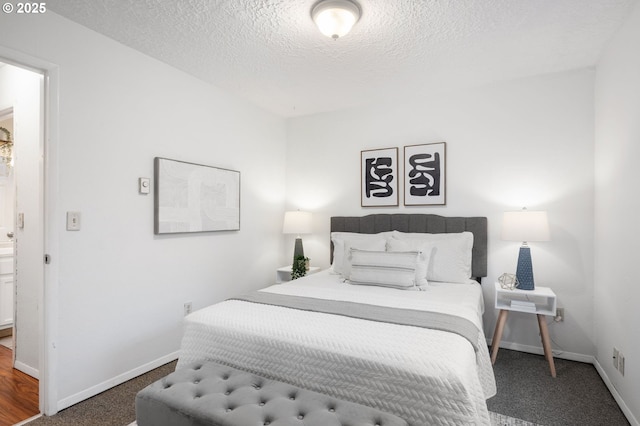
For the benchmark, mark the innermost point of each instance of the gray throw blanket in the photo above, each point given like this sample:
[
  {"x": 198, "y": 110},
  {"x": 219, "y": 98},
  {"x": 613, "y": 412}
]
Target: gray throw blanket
[{"x": 410, "y": 317}]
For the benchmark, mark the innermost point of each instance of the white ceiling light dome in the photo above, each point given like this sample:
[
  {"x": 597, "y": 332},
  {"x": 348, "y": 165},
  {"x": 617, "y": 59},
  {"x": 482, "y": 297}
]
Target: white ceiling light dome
[{"x": 335, "y": 18}]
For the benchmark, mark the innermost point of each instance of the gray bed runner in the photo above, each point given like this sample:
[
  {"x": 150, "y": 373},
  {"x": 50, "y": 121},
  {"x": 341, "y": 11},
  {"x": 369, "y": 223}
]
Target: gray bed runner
[{"x": 409, "y": 317}]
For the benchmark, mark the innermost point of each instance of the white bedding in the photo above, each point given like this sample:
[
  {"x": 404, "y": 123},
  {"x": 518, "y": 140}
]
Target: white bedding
[{"x": 427, "y": 377}]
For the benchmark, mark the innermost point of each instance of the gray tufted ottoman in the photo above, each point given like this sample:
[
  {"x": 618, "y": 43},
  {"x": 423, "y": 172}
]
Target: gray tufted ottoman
[{"x": 211, "y": 394}]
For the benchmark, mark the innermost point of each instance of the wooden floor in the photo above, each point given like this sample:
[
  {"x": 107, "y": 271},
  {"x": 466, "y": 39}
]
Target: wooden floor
[{"x": 18, "y": 392}]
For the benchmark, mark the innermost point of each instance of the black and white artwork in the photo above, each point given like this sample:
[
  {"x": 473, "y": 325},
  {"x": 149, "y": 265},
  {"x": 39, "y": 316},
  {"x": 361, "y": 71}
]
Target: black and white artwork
[
  {"x": 195, "y": 198},
  {"x": 424, "y": 174},
  {"x": 379, "y": 174}
]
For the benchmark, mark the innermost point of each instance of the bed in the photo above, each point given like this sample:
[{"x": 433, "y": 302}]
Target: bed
[{"x": 354, "y": 342}]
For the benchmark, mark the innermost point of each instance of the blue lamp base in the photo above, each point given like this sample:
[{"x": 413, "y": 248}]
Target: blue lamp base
[{"x": 524, "y": 271}]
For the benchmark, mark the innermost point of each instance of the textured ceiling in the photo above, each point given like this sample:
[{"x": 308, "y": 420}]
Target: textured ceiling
[{"x": 270, "y": 52}]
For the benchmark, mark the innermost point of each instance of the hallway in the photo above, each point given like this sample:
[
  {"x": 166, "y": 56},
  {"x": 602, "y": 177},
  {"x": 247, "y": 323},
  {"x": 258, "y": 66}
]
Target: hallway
[{"x": 18, "y": 392}]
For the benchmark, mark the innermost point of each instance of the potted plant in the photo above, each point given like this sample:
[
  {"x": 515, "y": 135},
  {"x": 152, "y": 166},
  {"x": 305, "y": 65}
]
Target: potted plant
[{"x": 299, "y": 267}]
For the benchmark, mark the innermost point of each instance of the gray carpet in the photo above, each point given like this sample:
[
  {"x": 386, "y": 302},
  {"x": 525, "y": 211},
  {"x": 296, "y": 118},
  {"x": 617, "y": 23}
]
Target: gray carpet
[
  {"x": 115, "y": 407},
  {"x": 525, "y": 391},
  {"x": 577, "y": 396}
]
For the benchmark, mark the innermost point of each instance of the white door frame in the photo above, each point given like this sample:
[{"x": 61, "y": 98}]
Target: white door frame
[{"x": 48, "y": 324}]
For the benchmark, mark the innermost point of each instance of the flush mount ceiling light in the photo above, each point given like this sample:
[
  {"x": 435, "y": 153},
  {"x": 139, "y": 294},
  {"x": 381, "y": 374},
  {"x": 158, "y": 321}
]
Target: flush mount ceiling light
[{"x": 335, "y": 18}]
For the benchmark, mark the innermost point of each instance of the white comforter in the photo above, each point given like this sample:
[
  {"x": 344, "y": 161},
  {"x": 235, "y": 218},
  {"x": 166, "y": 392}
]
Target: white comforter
[{"x": 427, "y": 377}]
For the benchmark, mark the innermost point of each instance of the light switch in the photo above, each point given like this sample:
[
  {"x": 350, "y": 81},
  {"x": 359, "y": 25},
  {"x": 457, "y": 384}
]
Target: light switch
[
  {"x": 144, "y": 185},
  {"x": 73, "y": 221},
  {"x": 20, "y": 221}
]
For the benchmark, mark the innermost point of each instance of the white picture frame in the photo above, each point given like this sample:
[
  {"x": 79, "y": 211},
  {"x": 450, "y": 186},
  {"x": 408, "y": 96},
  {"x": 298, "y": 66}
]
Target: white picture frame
[
  {"x": 191, "y": 197},
  {"x": 425, "y": 174},
  {"x": 379, "y": 177}
]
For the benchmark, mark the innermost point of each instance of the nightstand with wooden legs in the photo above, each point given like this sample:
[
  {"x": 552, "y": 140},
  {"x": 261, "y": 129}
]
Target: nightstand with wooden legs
[{"x": 540, "y": 301}]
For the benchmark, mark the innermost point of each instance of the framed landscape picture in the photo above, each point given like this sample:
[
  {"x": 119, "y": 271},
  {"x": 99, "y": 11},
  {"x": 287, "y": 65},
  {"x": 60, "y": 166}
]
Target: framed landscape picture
[
  {"x": 195, "y": 198},
  {"x": 425, "y": 174},
  {"x": 379, "y": 177}
]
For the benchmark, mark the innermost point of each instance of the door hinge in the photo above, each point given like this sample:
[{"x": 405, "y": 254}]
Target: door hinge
[{"x": 47, "y": 259}]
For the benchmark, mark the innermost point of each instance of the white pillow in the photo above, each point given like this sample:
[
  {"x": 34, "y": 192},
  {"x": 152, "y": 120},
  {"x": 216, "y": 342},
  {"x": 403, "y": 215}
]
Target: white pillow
[
  {"x": 451, "y": 256},
  {"x": 378, "y": 244},
  {"x": 425, "y": 250},
  {"x": 338, "y": 239},
  {"x": 402, "y": 270}
]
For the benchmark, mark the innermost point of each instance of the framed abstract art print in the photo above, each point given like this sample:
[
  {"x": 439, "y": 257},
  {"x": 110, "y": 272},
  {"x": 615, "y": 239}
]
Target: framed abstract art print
[
  {"x": 195, "y": 198},
  {"x": 379, "y": 177},
  {"x": 425, "y": 174}
]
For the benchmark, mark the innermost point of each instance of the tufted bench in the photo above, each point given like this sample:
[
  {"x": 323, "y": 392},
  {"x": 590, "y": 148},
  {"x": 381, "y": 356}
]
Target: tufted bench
[{"x": 211, "y": 394}]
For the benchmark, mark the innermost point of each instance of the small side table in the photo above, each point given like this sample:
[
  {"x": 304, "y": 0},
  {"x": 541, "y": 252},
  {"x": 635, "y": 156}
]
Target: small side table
[
  {"x": 284, "y": 274},
  {"x": 540, "y": 301}
]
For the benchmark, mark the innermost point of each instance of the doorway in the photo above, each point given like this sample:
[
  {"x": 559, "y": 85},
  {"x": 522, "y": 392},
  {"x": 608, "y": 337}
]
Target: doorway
[
  {"x": 7, "y": 197},
  {"x": 7, "y": 208},
  {"x": 22, "y": 172}
]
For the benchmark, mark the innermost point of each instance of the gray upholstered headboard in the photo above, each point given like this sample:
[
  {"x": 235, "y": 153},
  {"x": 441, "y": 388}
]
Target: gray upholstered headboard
[{"x": 429, "y": 223}]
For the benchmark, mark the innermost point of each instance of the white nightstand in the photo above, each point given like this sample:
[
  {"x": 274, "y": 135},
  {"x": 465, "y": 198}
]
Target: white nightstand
[
  {"x": 284, "y": 274},
  {"x": 541, "y": 301}
]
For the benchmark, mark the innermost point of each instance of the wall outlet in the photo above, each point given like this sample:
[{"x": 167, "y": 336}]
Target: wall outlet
[
  {"x": 616, "y": 355},
  {"x": 559, "y": 315},
  {"x": 187, "y": 308},
  {"x": 621, "y": 363}
]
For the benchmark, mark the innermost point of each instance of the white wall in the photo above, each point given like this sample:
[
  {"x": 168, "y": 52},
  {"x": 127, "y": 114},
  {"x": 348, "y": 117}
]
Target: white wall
[
  {"x": 120, "y": 289},
  {"x": 519, "y": 143},
  {"x": 617, "y": 150},
  {"x": 21, "y": 90}
]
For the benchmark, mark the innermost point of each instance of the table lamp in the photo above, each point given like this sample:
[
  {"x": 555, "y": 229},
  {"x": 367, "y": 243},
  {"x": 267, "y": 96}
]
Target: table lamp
[
  {"x": 297, "y": 222},
  {"x": 525, "y": 225}
]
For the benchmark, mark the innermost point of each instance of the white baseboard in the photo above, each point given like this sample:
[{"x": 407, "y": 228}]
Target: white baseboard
[
  {"x": 108, "y": 384},
  {"x": 623, "y": 406},
  {"x": 26, "y": 369},
  {"x": 571, "y": 356}
]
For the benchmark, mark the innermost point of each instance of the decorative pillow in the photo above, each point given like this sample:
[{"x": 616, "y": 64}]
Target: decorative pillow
[
  {"x": 425, "y": 249},
  {"x": 365, "y": 245},
  {"x": 451, "y": 256},
  {"x": 402, "y": 270},
  {"x": 338, "y": 239}
]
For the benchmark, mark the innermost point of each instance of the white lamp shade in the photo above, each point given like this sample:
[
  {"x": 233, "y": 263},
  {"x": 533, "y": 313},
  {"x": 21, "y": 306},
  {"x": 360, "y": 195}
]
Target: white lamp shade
[
  {"x": 335, "y": 18},
  {"x": 525, "y": 225},
  {"x": 297, "y": 222}
]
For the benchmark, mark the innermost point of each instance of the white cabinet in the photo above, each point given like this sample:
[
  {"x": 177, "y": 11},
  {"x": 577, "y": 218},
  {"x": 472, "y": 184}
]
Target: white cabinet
[{"x": 6, "y": 291}]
